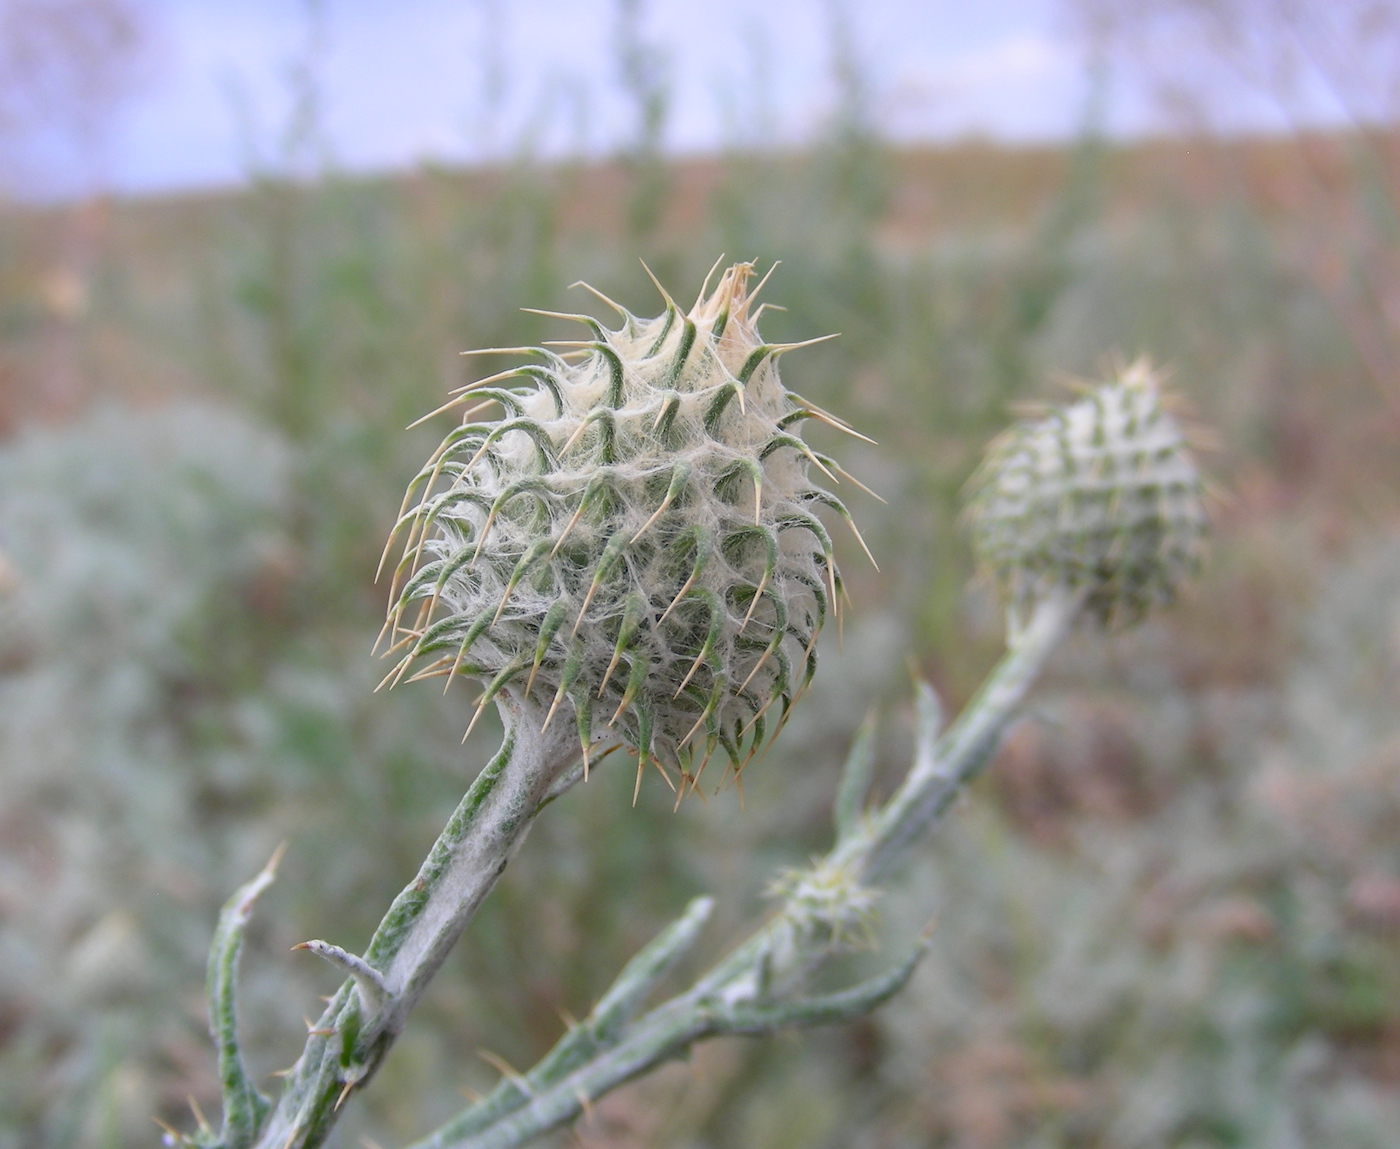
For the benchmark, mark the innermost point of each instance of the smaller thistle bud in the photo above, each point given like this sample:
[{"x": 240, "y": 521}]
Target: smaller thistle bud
[
  {"x": 828, "y": 904},
  {"x": 1101, "y": 494}
]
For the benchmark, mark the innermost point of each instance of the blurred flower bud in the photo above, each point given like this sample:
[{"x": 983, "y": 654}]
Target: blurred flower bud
[{"x": 1100, "y": 494}]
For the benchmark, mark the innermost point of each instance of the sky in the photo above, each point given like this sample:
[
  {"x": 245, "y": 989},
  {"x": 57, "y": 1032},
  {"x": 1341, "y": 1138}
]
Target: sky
[{"x": 463, "y": 81}]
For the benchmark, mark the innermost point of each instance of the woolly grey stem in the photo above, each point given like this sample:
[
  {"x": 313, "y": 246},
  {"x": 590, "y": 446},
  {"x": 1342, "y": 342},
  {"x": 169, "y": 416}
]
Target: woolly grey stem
[
  {"x": 744, "y": 993},
  {"x": 345, "y": 1047},
  {"x": 943, "y": 766}
]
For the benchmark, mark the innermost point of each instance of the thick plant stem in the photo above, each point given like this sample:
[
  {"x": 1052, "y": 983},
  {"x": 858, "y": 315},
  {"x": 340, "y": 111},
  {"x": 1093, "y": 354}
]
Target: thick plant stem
[{"x": 351, "y": 1038}]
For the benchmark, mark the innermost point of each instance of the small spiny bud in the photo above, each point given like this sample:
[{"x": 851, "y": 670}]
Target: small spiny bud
[
  {"x": 633, "y": 544},
  {"x": 828, "y": 904},
  {"x": 1100, "y": 494}
]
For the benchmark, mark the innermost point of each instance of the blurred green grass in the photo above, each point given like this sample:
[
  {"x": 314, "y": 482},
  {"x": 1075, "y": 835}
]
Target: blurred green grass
[{"x": 1171, "y": 916}]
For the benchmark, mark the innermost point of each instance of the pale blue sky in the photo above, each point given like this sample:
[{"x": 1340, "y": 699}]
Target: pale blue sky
[{"x": 407, "y": 81}]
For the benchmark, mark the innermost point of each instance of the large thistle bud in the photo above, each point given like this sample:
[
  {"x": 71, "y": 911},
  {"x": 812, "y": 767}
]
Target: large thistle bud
[
  {"x": 1101, "y": 494},
  {"x": 632, "y": 540}
]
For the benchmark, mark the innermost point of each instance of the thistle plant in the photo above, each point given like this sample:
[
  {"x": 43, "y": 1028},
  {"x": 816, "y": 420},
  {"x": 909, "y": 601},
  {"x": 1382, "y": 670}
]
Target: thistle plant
[
  {"x": 634, "y": 540},
  {"x": 628, "y": 553}
]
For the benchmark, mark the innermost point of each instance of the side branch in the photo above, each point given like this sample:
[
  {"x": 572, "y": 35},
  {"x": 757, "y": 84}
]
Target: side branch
[{"x": 943, "y": 766}]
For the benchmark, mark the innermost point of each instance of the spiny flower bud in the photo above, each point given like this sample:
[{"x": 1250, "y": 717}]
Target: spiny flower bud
[
  {"x": 634, "y": 539},
  {"x": 1100, "y": 494},
  {"x": 828, "y": 904}
]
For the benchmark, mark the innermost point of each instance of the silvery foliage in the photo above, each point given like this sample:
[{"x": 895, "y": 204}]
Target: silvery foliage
[
  {"x": 1343, "y": 690},
  {"x": 127, "y": 539}
]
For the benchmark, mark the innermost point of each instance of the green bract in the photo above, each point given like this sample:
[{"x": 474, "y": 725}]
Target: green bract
[
  {"x": 1101, "y": 494},
  {"x": 634, "y": 541}
]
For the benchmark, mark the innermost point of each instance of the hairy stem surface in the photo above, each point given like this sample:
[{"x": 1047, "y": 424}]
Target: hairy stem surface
[{"x": 357, "y": 1029}]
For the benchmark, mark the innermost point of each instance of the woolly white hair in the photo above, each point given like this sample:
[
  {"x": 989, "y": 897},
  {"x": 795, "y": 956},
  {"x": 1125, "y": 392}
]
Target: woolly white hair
[{"x": 633, "y": 538}]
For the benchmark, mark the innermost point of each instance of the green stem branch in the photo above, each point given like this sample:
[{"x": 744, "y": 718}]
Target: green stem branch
[{"x": 347, "y": 1044}]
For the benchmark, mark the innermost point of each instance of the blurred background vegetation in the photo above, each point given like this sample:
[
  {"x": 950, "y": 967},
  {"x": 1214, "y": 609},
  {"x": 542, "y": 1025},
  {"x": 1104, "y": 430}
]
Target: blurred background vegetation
[{"x": 1170, "y": 916}]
